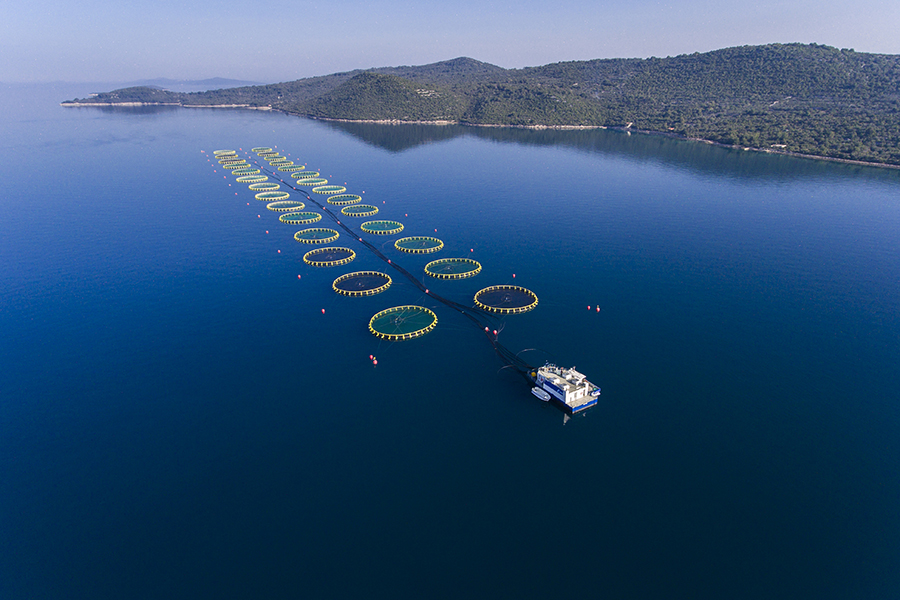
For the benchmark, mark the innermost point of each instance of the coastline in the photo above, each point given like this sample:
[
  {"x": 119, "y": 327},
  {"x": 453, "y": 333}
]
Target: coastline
[{"x": 442, "y": 122}]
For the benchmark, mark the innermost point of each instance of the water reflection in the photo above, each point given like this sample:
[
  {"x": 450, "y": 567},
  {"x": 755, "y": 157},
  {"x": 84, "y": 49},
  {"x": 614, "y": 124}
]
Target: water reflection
[{"x": 678, "y": 153}]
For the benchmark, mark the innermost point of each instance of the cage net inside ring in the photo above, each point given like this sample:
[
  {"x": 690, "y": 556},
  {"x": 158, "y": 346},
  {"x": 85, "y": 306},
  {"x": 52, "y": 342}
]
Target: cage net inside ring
[
  {"x": 329, "y": 189},
  {"x": 382, "y": 227},
  {"x": 329, "y": 257},
  {"x": 316, "y": 235},
  {"x": 361, "y": 283},
  {"x": 506, "y": 299},
  {"x": 285, "y": 205},
  {"x": 402, "y": 323},
  {"x": 418, "y": 244},
  {"x": 359, "y": 210},
  {"x": 300, "y": 218},
  {"x": 453, "y": 268},
  {"x": 344, "y": 199}
]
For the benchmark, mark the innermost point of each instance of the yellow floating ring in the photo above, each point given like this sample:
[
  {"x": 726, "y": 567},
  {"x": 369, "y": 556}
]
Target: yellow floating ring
[
  {"x": 314, "y": 181},
  {"x": 359, "y": 210},
  {"x": 242, "y": 172},
  {"x": 300, "y": 218},
  {"x": 282, "y": 163},
  {"x": 329, "y": 257},
  {"x": 329, "y": 189},
  {"x": 224, "y": 152},
  {"x": 344, "y": 199},
  {"x": 260, "y": 149},
  {"x": 272, "y": 196},
  {"x": 418, "y": 245},
  {"x": 345, "y": 284},
  {"x": 251, "y": 178},
  {"x": 264, "y": 187},
  {"x": 285, "y": 205},
  {"x": 291, "y": 168},
  {"x": 316, "y": 235},
  {"x": 234, "y": 166},
  {"x": 305, "y": 175},
  {"x": 381, "y": 227},
  {"x": 446, "y": 268},
  {"x": 387, "y": 324},
  {"x": 500, "y": 299}
]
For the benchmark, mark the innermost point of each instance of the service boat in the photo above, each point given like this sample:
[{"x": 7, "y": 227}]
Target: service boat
[{"x": 566, "y": 386}]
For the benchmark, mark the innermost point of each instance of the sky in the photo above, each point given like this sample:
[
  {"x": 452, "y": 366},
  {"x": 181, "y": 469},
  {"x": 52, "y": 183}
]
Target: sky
[{"x": 282, "y": 40}]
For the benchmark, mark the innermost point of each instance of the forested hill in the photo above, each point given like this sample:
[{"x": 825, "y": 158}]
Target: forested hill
[{"x": 810, "y": 99}]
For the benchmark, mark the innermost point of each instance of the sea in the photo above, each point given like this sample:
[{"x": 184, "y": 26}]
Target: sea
[{"x": 188, "y": 410}]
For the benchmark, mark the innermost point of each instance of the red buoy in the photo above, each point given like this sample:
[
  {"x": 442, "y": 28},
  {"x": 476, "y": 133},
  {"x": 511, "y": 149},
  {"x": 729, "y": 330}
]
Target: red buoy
[
  {"x": 298, "y": 276},
  {"x": 374, "y": 362},
  {"x": 323, "y": 311}
]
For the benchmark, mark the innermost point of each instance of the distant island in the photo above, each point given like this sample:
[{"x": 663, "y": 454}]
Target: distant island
[{"x": 804, "y": 99}]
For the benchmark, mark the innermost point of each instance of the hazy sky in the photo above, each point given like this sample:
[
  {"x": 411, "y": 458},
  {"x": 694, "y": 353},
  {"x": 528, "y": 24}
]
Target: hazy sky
[{"x": 279, "y": 40}]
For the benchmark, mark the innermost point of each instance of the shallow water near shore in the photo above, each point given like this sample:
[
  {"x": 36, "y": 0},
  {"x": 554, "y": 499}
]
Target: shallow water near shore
[{"x": 180, "y": 419}]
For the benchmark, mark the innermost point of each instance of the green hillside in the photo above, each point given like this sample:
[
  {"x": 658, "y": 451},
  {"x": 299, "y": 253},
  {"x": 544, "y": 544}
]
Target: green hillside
[{"x": 810, "y": 99}]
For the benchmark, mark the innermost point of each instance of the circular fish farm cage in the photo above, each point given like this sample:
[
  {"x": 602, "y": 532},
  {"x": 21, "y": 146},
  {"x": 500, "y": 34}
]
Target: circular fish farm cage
[
  {"x": 453, "y": 268},
  {"x": 267, "y": 155},
  {"x": 234, "y": 165},
  {"x": 282, "y": 163},
  {"x": 221, "y": 153},
  {"x": 251, "y": 178},
  {"x": 418, "y": 245},
  {"x": 506, "y": 299},
  {"x": 316, "y": 235},
  {"x": 264, "y": 187},
  {"x": 381, "y": 227},
  {"x": 305, "y": 174},
  {"x": 359, "y": 210},
  {"x": 361, "y": 283},
  {"x": 272, "y": 196},
  {"x": 300, "y": 218},
  {"x": 329, "y": 189},
  {"x": 344, "y": 199},
  {"x": 243, "y": 172},
  {"x": 291, "y": 168},
  {"x": 260, "y": 149},
  {"x": 402, "y": 323},
  {"x": 232, "y": 160},
  {"x": 329, "y": 257},
  {"x": 285, "y": 205},
  {"x": 314, "y": 181}
]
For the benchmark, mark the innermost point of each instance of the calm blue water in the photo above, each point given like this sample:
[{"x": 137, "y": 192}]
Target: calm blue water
[{"x": 179, "y": 419}]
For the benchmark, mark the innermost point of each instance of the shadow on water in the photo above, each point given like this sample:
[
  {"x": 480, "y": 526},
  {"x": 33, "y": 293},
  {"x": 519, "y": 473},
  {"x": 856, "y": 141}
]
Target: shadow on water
[{"x": 697, "y": 157}]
